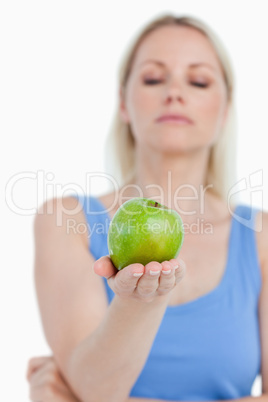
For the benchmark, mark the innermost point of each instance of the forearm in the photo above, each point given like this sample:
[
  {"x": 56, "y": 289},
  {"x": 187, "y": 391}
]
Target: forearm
[{"x": 106, "y": 365}]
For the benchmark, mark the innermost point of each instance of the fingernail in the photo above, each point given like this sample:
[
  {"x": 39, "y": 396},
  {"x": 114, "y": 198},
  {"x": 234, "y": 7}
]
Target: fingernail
[
  {"x": 138, "y": 274},
  {"x": 154, "y": 273},
  {"x": 176, "y": 266},
  {"x": 166, "y": 272}
]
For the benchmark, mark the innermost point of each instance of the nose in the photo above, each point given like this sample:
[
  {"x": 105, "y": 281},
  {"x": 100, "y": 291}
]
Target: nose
[
  {"x": 174, "y": 93},
  {"x": 172, "y": 98}
]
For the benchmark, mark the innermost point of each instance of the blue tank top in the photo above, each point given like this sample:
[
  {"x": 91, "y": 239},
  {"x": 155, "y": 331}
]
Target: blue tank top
[{"x": 208, "y": 348}]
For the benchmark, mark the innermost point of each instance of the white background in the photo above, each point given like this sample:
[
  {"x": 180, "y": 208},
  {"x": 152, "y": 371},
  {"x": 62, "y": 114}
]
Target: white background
[{"x": 58, "y": 87}]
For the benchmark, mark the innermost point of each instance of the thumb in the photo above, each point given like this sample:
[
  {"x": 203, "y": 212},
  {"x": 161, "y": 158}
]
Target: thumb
[{"x": 104, "y": 267}]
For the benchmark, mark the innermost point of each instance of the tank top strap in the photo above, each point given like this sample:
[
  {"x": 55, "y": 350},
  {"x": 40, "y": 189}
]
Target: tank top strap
[
  {"x": 98, "y": 221},
  {"x": 244, "y": 244}
]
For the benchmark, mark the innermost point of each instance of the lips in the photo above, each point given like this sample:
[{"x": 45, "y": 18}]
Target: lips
[{"x": 175, "y": 118}]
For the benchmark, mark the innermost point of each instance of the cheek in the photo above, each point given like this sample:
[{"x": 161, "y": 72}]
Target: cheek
[
  {"x": 138, "y": 106},
  {"x": 145, "y": 101},
  {"x": 141, "y": 99},
  {"x": 141, "y": 107},
  {"x": 210, "y": 107}
]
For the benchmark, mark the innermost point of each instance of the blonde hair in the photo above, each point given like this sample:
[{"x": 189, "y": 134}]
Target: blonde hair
[{"x": 120, "y": 144}]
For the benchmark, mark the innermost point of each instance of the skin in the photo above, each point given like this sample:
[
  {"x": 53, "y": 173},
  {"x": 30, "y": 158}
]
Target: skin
[
  {"x": 178, "y": 48},
  {"x": 46, "y": 382},
  {"x": 161, "y": 148}
]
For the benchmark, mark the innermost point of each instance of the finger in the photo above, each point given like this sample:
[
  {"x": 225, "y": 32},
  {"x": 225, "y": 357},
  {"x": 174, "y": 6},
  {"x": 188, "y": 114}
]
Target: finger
[
  {"x": 42, "y": 375},
  {"x": 149, "y": 282},
  {"x": 44, "y": 393},
  {"x": 35, "y": 363},
  {"x": 180, "y": 269},
  {"x": 125, "y": 281},
  {"x": 104, "y": 267},
  {"x": 178, "y": 263},
  {"x": 48, "y": 383},
  {"x": 48, "y": 380},
  {"x": 167, "y": 278},
  {"x": 49, "y": 393}
]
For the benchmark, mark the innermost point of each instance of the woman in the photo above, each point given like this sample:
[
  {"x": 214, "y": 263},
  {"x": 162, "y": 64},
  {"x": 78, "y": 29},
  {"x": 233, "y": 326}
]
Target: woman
[{"x": 160, "y": 331}]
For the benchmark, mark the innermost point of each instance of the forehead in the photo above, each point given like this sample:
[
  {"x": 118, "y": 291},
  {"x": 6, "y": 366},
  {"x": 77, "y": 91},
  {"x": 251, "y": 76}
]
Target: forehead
[{"x": 176, "y": 45}]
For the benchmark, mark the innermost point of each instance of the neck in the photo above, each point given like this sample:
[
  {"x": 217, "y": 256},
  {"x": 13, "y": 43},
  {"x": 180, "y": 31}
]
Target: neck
[{"x": 177, "y": 181}]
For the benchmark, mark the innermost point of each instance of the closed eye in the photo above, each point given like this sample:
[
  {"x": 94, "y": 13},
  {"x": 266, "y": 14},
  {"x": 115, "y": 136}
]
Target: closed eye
[
  {"x": 154, "y": 82},
  {"x": 151, "y": 82},
  {"x": 199, "y": 84}
]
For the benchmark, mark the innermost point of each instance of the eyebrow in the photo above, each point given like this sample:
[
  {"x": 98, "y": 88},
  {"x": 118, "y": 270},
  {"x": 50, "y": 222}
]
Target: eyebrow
[{"x": 193, "y": 65}]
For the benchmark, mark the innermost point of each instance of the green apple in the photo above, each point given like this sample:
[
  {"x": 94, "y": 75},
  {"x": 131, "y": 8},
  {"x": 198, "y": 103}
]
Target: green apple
[{"x": 143, "y": 230}]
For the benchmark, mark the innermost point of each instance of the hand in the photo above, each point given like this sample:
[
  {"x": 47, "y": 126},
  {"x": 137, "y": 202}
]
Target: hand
[
  {"x": 46, "y": 382},
  {"x": 146, "y": 287}
]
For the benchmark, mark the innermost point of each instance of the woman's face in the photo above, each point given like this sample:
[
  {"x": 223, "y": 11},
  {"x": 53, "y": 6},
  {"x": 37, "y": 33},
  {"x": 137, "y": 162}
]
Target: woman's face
[{"x": 175, "y": 71}]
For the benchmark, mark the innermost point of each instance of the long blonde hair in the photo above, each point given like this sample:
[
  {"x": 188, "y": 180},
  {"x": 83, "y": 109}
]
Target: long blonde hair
[{"x": 120, "y": 145}]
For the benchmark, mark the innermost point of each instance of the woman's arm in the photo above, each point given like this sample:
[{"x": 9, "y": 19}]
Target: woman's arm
[
  {"x": 105, "y": 366},
  {"x": 99, "y": 349},
  {"x": 46, "y": 382}
]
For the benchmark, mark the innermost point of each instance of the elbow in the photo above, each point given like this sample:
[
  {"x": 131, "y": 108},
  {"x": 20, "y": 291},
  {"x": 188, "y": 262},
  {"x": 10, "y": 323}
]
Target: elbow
[{"x": 87, "y": 384}]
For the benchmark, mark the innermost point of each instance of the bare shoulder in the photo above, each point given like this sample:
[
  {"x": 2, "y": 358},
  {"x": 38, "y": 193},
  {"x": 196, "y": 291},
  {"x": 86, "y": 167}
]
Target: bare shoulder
[
  {"x": 63, "y": 215},
  {"x": 261, "y": 227}
]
